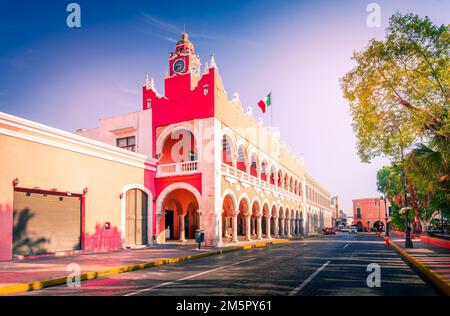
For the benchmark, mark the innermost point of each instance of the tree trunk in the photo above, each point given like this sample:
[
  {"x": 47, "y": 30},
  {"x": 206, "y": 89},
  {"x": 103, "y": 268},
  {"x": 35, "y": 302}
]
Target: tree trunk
[{"x": 415, "y": 206}]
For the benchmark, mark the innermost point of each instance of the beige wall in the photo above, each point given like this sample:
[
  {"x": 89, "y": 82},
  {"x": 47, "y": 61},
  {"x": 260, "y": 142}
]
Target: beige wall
[
  {"x": 50, "y": 159},
  {"x": 138, "y": 124}
]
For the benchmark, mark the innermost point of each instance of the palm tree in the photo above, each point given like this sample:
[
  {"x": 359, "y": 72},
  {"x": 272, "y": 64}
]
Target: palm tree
[{"x": 428, "y": 170}]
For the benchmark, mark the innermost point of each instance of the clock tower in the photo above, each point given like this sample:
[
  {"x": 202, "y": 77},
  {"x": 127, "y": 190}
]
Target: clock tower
[{"x": 184, "y": 69}]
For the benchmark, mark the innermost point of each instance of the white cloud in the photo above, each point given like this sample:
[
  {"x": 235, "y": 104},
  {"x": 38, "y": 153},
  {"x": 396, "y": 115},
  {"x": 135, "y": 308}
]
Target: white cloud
[
  {"x": 127, "y": 90},
  {"x": 160, "y": 24}
]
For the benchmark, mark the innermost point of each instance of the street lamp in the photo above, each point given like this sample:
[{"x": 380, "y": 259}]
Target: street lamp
[
  {"x": 379, "y": 214},
  {"x": 408, "y": 241},
  {"x": 385, "y": 215},
  {"x": 405, "y": 210}
]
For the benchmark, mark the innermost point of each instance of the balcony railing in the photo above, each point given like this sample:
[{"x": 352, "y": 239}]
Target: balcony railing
[
  {"x": 177, "y": 169},
  {"x": 244, "y": 176}
]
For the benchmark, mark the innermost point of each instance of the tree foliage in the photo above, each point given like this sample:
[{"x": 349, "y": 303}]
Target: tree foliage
[
  {"x": 399, "y": 94},
  {"x": 399, "y": 90},
  {"x": 389, "y": 181}
]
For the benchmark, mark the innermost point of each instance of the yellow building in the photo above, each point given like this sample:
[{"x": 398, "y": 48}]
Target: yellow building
[{"x": 60, "y": 192}]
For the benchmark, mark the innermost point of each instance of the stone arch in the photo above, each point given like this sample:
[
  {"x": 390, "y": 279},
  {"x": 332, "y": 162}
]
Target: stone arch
[
  {"x": 280, "y": 178},
  {"x": 244, "y": 197},
  {"x": 228, "y": 132},
  {"x": 174, "y": 186},
  {"x": 258, "y": 202},
  {"x": 228, "y": 139},
  {"x": 264, "y": 169},
  {"x": 266, "y": 205},
  {"x": 228, "y": 216},
  {"x": 232, "y": 195},
  {"x": 285, "y": 181},
  {"x": 291, "y": 184},
  {"x": 254, "y": 160},
  {"x": 174, "y": 128},
  {"x": 242, "y": 156},
  {"x": 161, "y": 216}
]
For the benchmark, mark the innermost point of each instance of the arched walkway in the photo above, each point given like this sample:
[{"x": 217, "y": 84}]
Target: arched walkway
[
  {"x": 244, "y": 217},
  {"x": 178, "y": 212},
  {"x": 230, "y": 219}
]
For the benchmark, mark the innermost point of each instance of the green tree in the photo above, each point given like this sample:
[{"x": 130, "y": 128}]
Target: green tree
[
  {"x": 399, "y": 94},
  {"x": 429, "y": 170},
  {"x": 389, "y": 181},
  {"x": 400, "y": 84}
]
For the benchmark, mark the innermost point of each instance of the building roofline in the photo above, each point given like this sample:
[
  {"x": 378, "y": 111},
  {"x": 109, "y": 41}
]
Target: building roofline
[{"x": 72, "y": 138}]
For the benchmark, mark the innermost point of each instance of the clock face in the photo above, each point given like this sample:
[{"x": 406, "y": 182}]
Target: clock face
[{"x": 179, "y": 66}]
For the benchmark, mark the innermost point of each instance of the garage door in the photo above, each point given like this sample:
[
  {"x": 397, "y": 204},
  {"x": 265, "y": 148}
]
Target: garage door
[{"x": 45, "y": 223}]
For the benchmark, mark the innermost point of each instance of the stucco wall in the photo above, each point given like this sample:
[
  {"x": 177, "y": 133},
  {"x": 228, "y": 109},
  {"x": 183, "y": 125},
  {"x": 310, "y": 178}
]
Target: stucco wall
[{"x": 48, "y": 167}]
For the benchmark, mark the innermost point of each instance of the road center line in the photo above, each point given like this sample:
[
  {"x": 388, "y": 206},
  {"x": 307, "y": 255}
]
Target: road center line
[
  {"x": 345, "y": 246},
  {"x": 309, "y": 279},
  {"x": 188, "y": 277}
]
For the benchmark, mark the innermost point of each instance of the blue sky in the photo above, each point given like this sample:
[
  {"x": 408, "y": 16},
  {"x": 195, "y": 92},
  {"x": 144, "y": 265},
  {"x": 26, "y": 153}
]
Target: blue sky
[{"x": 68, "y": 78}]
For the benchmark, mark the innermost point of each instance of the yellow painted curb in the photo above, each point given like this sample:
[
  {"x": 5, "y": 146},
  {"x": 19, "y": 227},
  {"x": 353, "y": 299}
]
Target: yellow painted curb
[
  {"x": 436, "y": 278},
  {"x": 26, "y": 287}
]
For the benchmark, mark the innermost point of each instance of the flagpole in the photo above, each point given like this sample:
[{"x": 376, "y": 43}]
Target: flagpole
[{"x": 271, "y": 113}]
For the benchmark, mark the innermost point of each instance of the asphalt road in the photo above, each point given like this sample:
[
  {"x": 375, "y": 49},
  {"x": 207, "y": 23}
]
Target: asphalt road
[{"x": 327, "y": 265}]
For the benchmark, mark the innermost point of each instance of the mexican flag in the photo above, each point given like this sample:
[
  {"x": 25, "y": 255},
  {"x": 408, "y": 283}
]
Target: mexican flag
[{"x": 265, "y": 103}]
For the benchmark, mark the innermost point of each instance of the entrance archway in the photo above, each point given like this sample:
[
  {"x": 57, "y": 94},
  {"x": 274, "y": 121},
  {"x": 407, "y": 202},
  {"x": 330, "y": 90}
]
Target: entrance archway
[
  {"x": 177, "y": 210},
  {"x": 180, "y": 217},
  {"x": 359, "y": 226}
]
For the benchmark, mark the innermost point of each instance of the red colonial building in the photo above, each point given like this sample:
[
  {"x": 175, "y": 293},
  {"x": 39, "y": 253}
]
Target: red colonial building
[{"x": 370, "y": 213}]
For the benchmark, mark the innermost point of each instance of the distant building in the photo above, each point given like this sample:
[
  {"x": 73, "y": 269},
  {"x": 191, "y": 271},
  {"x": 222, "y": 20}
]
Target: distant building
[
  {"x": 370, "y": 213},
  {"x": 341, "y": 219},
  {"x": 349, "y": 220},
  {"x": 335, "y": 208}
]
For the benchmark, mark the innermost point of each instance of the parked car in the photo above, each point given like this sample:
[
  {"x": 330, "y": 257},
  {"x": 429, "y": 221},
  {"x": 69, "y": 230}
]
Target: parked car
[
  {"x": 329, "y": 231},
  {"x": 344, "y": 229},
  {"x": 352, "y": 230}
]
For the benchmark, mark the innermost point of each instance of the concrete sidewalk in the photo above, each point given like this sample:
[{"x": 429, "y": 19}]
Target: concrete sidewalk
[
  {"x": 432, "y": 260},
  {"x": 26, "y": 275}
]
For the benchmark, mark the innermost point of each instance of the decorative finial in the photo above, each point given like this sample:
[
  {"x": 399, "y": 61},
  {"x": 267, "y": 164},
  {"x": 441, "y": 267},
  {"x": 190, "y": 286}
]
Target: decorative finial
[
  {"x": 213, "y": 62},
  {"x": 150, "y": 83},
  {"x": 236, "y": 97}
]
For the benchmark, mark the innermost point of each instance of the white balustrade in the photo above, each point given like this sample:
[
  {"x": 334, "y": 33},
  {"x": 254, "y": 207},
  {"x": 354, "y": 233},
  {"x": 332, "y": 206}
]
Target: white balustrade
[
  {"x": 243, "y": 176},
  {"x": 175, "y": 169}
]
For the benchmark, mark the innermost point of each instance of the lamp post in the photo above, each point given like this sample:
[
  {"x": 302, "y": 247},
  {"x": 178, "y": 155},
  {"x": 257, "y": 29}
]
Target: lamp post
[
  {"x": 386, "y": 216},
  {"x": 405, "y": 210},
  {"x": 379, "y": 214}
]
